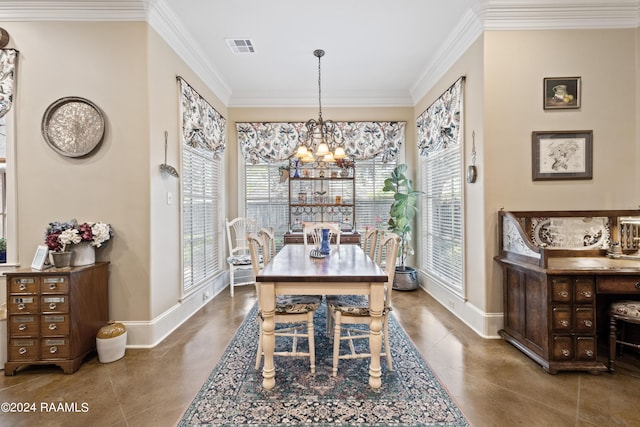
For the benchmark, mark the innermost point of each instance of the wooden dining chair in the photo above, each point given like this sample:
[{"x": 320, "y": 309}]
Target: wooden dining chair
[
  {"x": 239, "y": 260},
  {"x": 268, "y": 238},
  {"x": 626, "y": 311},
  {"x": 354, "y": 309},
  {"x": 370, "y": 241},
  {"x": 294, "y": 310},
  {"x": 313, "y": 231}
]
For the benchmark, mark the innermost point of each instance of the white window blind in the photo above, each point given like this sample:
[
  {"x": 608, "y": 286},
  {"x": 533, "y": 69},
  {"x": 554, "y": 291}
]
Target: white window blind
[
  {"x": 266, "y": 198},
  {"x": 441, "y": 253},
  {"x": 201, "y": 179}
]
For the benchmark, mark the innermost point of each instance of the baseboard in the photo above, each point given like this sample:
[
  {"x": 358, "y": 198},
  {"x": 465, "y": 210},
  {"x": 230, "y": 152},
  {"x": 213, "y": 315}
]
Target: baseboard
[
  {"x": 147, "y": 334},
  {"x": 484, "y": 324}
]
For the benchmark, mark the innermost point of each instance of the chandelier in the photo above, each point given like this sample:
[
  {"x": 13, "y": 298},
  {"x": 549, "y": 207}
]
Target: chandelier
[{"x": 321, "y": 135}]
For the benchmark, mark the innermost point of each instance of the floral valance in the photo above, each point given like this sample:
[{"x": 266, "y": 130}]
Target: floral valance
[
  {"x": 202, "y": 126},
  {"x": 8, "y": 59},
  {"x": 439, "y": 125},
  {"x": 277, "y": 141}
]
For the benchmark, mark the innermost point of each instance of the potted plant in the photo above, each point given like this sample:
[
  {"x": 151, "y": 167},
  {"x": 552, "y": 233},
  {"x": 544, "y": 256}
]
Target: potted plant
[
  {"x": 401, "y": 214},
  {"x": 3, "y": 250}
]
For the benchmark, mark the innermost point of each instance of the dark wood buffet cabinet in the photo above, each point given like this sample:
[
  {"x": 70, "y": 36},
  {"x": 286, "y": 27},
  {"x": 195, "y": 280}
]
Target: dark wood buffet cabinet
[
  {"x": 560, "y": 273},
  {"x": 53, "y": 316}
]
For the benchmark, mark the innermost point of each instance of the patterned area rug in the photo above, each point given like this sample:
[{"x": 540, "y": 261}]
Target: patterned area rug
[{"x": 410, "y": 394}]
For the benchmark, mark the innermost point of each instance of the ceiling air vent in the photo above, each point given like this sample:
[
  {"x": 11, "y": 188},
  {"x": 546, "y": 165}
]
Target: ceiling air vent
[{"x": 241, "y": 46}]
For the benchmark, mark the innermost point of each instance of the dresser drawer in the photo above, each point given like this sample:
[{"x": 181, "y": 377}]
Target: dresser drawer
[
  {"x": 618, "y": 284},
  {"x": 562, "y": 348},
  {"x": 585, "y": 348},
  {"x": 23, "y": 285},
  {"x": 24, "y": 325},
  {"x": 585, "y": 291},
  {"x": 584, "y": 320},
  {"x": 24, "y": 304},
  {"x": 561, "y": 319},
  {"x": 24, "y": 349},
  {"x": 54, "y": 304},
  {"x": 54, "y": 325},
  {"x": 561, "y": 289},
  {"x": 55, "y": 348},
  {"x": 54, "y": 285}
]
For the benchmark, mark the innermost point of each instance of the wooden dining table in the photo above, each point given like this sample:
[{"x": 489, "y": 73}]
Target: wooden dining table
[{"x": 347, "y": 270}]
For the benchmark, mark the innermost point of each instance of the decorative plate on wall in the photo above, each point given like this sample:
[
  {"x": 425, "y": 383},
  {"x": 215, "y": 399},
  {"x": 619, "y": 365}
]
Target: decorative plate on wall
[{"x": 73, "y": 126}]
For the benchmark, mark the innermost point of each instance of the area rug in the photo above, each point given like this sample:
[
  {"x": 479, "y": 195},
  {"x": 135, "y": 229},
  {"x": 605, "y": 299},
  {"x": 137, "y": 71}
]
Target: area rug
[{"x": 233, "y": 395}]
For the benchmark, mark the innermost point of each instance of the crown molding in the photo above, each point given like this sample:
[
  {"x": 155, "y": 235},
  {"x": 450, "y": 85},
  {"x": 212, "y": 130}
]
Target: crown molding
[
  {"x": 255, "y": 99},
  {"x": 171, "y": 30},
  {"x": 121, "y": 10}
]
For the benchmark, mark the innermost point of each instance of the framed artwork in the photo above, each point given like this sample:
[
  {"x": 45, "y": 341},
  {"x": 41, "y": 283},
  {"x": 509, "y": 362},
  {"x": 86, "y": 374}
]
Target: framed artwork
[
  {"x": 40, "y": 257},
  {"x": 561, "y": 93},
  {"x": 562, "y": 155}
]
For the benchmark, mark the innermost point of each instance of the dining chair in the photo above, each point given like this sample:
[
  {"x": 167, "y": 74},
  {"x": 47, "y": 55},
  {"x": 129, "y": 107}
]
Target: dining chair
[
  {"x": 370, "y": 241},
  {"x": 625, "y": 311},
  {"x": 269, "y": 241},
  {"x": 239, "y": 259},
  {"x": 354, "y": 310},
  {"x": 295, "y": 310},
  {"x": 313, "y": 230}
]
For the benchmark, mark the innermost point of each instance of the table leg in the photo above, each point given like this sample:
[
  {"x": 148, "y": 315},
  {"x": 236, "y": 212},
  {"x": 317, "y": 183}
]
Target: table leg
[
  {"x": 267, "y": 305},
  {"x": 376, "y": 306}
]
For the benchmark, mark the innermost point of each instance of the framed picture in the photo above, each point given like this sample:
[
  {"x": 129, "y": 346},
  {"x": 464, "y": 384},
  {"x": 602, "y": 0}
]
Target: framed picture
[
  {"x": 561, "y": 93},
  {"x": 562, "y": 155},
  {"x": 40, "y": 257}
]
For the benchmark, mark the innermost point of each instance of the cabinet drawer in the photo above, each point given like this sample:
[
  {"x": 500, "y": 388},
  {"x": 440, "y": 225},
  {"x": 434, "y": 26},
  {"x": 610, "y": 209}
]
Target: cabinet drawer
[
  {"x": 24, "y": 349},
  {"x": 562, "y": 348},
  {"x": 55, "y": 348},
  {"x": 54, "y": 303},
  {"x": 24, "y": 304},
  {"x": 585, "y": 348},
  {"x": 27, "y": 325},
  {"x": 561, "y": 319},
  {"x": 561, "y": 289},
  {"x": 55, "y": 324},
  {"x": 54, "y": 285},
  {"x": 584, "y": 321},
  {"x": 23, "y": 285},
  {"x": 618, "y": 284},
  {"x": 585, "y": 290}
]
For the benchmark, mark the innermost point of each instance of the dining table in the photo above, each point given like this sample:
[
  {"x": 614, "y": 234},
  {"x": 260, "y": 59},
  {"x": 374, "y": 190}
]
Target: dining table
[{"x": 346, "y": 270}]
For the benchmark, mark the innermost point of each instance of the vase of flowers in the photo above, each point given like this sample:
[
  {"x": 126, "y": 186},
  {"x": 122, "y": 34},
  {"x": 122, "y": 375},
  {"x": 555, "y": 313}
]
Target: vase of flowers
[{"x": 78, "y": 239}]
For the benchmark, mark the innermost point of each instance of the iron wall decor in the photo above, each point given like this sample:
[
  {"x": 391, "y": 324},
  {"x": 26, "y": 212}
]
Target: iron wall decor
[
  {"x": 561, "y": 93},
  {"x": 562, "y": 155}
]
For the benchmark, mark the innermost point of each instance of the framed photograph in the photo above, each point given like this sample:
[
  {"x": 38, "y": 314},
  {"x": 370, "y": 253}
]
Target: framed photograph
[
  {"x": 40, "y": 257},
  {"x": 562, "y": 155},
  {"x": 561, "y": 93}
]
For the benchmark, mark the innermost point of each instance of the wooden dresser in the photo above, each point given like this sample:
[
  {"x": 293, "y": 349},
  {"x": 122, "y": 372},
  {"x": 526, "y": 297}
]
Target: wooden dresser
[
  {"x": 53, "y": 316},
  {"x": 556, "y": 292}
]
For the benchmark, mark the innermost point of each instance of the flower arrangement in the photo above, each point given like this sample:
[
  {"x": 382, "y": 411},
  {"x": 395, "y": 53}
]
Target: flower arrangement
[{"x": 61, "y": 234}]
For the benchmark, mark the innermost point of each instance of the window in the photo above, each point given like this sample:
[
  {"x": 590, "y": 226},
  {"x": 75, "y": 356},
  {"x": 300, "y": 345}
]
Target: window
[
  {"x": 266, "y": 196},
  {"x": 441, "y": 216},
  {"x": 201, "y": 219}
]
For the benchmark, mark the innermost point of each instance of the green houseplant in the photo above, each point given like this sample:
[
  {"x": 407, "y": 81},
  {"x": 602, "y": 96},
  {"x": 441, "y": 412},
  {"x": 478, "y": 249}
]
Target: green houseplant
[
  {"x": 401, "y": 214},
  {"x": 3, "y": 250}
]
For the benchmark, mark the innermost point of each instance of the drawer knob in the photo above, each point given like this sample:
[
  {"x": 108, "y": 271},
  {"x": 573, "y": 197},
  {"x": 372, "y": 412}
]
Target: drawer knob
[
  {"x": 586, "y": 294},
  {"x": 53, "y": 349},
  {"x": 22, "y": 327},
  {"x": 565, "y": 352},
  {"x": 22, "y": 287},
  {"x": 637, "y": 285},
  {"x": 563, "y": 294},
  {"x": 53, "y": 326},
  {"x": 564, "y": 323},
  {"x": 589, "y": 353},
  {"x": 21, "y": 306},
  {"x": 588, "y": 323},
  {"x": 22, "y": 350},
  {"x": 52, "y": 306},
  {"x": 52, "y": 286}
]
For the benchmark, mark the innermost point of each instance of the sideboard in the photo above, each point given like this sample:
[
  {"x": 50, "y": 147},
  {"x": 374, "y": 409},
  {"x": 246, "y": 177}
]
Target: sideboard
[
  {"x": 560, "y": 272},
  {"x": 54, "y": 315}
]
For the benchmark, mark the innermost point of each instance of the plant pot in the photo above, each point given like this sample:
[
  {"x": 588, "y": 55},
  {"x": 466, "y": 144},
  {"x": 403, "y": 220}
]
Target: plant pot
[
  {"x": 111, "y": 342},
  {"x": 405, "y": 279},
  {"x": 83, "y": 254},
  {"x": 60, "y": 259}
]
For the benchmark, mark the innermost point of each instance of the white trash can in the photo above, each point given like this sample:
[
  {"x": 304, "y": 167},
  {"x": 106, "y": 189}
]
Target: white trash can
[{"x": 111, "y": 342}]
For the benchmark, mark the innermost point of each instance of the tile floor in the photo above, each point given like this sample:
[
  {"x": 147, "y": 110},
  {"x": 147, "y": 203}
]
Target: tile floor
[{"x": 492, "y": 382}]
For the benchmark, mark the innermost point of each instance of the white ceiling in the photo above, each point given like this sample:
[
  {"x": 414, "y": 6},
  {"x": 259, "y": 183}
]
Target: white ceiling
[{"x": 378, "y": 52}]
